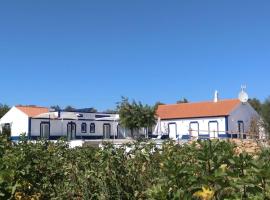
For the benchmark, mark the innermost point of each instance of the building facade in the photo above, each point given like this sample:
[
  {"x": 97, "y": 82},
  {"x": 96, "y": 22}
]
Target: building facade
[
  {"x": 214, "y": 119},
  {"x": 38, "y": 122}
]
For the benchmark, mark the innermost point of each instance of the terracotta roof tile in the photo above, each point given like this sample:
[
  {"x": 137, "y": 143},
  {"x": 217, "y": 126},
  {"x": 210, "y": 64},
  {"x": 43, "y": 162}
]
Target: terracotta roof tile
[
  {"x": 32, "y": 111},
  {"x": 200, "y": 109}
]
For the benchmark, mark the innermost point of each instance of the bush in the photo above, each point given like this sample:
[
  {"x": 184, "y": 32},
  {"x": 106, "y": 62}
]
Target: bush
[{"x": 202, "y": 170}]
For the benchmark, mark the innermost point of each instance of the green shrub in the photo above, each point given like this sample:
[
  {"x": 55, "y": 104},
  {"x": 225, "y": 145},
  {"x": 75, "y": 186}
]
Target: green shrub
[{"x": 201, "y": 170}]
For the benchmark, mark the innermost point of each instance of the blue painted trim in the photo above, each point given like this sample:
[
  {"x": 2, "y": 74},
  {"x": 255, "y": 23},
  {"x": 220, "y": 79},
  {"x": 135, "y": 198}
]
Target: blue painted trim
[
  {"x": 101, "y": 116},
  {"x": 92, "y": 137},
  {"x": 152, "y": 136},
  {"x": 117, "y": 131},
  {"x": 15, "y": 138},
  {"x": 167, "y": 119},
  {"x": 214, "y": 121},
  {"x": 239, "y": 126},
  {"x": 71, "y": 123},
  {"x": 29, "y": 127},
  {"x": 195, "y": 122},
  {"x": 241, "y": 122},
  {"x": 86, "y": 120},
  {"x": 204, "y": 136},
  {"x": 106, "y": 124},
  {"x": 227, "y": 125},
  {"x": 42, "y": 122},
  {"x": 169, "y": 128},
  {"x": 34, "y": 137},
  {"x": 92, "y": 128},
  {"x": 84, "y": 124},
  {"x": 185, "y": 137},
  {"x": 223, "y": 136},
  {"x": 164, "y": 137},
  {"x": 69, "y": 119},
  {"x": 57, "y": 137}
]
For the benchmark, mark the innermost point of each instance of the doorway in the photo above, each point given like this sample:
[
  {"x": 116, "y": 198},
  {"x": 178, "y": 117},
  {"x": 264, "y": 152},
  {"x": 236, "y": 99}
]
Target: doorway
[
  {"x": 106, "y": 131},
  {"x": 241, "y": 129},
  {"x": 172, "y": 130},
  {"x": 45, "y": 130},
  {"x": 71, "y": 131}
]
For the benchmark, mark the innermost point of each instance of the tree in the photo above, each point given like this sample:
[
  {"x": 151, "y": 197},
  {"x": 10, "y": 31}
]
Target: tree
[
  {"x": 69, "y": 109},
  {"x": 89, "y": 110},
  {"x": 56, "y": 108},
  {"x": 134, "y": 115},
  {"x": 3, "y": 109},
  {"x": 184, "y": 100},
  {"x": 254, "y": 128},
  {"x": 256, "y": 104},
  {"x": 157, "y": 104},
  {"x": 266, "y": 114},
  {"x": 110, "y": 111}
]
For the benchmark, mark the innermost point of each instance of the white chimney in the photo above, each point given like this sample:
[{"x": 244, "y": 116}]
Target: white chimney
[{"x": 216, "y": 96}]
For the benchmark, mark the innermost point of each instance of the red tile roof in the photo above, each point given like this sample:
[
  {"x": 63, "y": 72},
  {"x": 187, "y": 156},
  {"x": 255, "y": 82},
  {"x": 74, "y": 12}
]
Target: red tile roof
[
  {"x": 32, "y": 111},
  {"x": 200, "y": 109}
]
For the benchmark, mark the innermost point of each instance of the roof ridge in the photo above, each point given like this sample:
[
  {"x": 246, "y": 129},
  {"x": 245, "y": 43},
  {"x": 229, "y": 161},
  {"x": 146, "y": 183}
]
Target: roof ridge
[
  {"x": 197, "y": 109},
  {"x": 30, "y": 106},
  {"x": 206, "y": 101}
]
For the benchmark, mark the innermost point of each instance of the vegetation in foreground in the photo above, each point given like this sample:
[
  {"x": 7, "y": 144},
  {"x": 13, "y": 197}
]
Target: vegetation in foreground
[{"x": 203, "y": 170}]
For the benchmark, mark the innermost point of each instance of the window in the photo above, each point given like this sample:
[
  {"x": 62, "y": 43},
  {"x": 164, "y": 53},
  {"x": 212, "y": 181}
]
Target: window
[
  {"x": 7, "y": 127},
  {"x": 240, "y": 127},
  {"x": 194, "y": 129},
  {"x": 213, "y": 129},
  {"x": 44, "y": 129},
  {"x": 84, "y": 128},
  {"x": 92, "y": 128}
]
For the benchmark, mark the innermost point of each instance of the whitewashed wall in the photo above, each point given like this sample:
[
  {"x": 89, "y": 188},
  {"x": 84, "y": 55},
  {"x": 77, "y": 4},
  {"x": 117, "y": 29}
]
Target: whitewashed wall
[
  {"x": 183, "y": 125},
  {"x": 18, "y": 121},
  {"x": 59, "y": 127},
  {"x": 245, "y": 113}
]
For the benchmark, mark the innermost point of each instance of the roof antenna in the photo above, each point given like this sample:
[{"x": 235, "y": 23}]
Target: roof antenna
[
  {"x": 243, "y": 96},
  {"x": 216, "y": 98}
]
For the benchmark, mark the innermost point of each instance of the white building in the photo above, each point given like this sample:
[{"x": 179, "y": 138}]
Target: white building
[
  {"x": 39, "y": 122},
  {"x": 212, "y": 119}
]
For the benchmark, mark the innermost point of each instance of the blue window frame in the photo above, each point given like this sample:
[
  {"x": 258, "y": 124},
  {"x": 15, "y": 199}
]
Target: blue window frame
[
  {"x": 92, "y": 128},
  {"x": 84, "y": 128},
  {"x": 194, "y": 129},
  {"x": 213, "y": 129}
]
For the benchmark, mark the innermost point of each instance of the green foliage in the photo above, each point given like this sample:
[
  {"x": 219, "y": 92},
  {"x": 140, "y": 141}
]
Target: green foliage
[
  {"x": 201, "y": 170},
  {"x": 157, "y": 104},
  {"x": 266, "y": 114},
  {"x": 3, "y": 109},
  {"x": 135, "y": 115},
  {"x": 256, "y": 104},
  {"x": 183, "y": 100},
  {"x": 56, "y": 108},
  {"x": 69, "y": 109},
  {"x": 263, "y": 109}
]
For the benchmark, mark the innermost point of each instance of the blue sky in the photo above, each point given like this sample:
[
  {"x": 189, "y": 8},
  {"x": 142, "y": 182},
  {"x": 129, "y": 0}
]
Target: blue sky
[{"x": 90, "y": 53}]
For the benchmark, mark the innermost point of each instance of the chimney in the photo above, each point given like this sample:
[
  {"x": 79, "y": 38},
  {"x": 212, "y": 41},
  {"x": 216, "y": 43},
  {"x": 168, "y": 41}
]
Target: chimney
[{"x": 216, "y": 97}]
